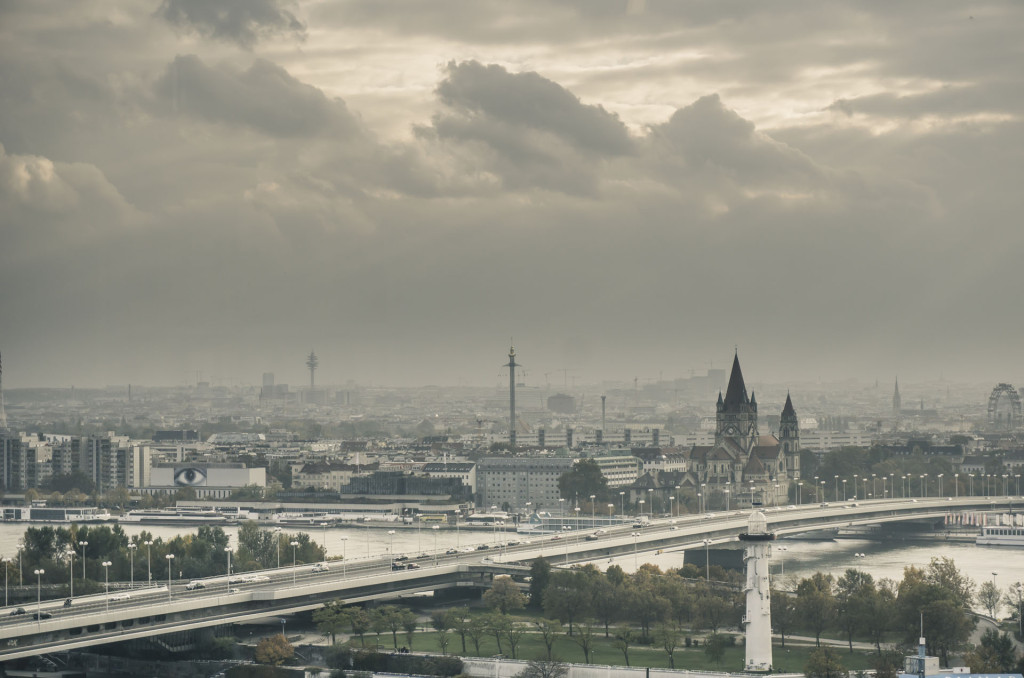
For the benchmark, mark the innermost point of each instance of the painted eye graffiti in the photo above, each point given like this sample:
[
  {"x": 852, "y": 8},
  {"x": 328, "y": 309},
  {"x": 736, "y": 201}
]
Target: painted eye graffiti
[{"x": 189, "y": 476}]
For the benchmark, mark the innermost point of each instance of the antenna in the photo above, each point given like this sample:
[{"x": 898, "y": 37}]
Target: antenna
[
  {"x": 3, "y": 413},
  {"x": 312, "y": 362}
]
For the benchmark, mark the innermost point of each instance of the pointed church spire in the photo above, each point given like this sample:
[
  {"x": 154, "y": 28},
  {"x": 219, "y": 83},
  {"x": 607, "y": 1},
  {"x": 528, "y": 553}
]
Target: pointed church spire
[
  {"x": 787, "y": 409},
  {"x": 736, "y": 393}
]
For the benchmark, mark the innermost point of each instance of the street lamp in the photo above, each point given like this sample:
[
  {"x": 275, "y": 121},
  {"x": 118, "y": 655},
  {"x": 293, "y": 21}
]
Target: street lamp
[
  {"x": 844, "y": 489},
  {"x": 856, "y": 496},
  {"x": 800, "y": 493},
  {"x": 611, "y": 507},
  {"x": 106, "y": 580},
  {"x": 149, "y": 571},
  {"x": 641, "y": 503},
  {"x": 837, "y": 488},
  {"x": 874, "y": 485},
  {"x": 672, "y": 506},
  {"x": 703, "y": 490},
  {"x": 942, "y": 489},
  {"x": 83, "y": 544},
  {"x": 4, "y": 561},
  {"x": 39, "y": 594},
  {"x": 707, "y": 561},
  {"x": 822, "y": 489},
  {"x": 650, "y": 495},
  {"x": 727, "y": 497},
  {"x": 170, "y": 564},
  {"x": 344, "y": 560},
  {"x": 592, "y": 498},
  {"x": 435, "y": 529},
  {"x": 391, "y": 544},
  {"x": 924, "y": 488},
  {"x": 71, "y": 575},
  {"x": 458, "y": 545},
  {"x": 956, "y": 485},
  {"x": 131, "y": 552},
  {"x": 636, "y": 563},
  {"x": 622, "y": 503},
  {"x": 324, "y": 525},
  {"x": 293, "y": 544},
  {"x": 227, "y": 550},
  {"x": 277, "y": 542}
]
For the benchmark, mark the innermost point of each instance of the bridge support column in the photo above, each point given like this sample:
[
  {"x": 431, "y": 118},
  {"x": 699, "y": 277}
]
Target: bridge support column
[{"x": 758, "y": 619}]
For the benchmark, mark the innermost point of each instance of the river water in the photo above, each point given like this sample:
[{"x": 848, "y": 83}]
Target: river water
[{"x": 791, "y": 559}]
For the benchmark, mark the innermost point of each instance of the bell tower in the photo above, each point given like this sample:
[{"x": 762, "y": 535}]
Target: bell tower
[
  {"x": 736, "y": 413},
  {"x": 789, "y": 437}
]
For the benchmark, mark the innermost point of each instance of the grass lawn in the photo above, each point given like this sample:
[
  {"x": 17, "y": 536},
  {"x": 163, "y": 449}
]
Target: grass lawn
[{"x": 790, "y": 659}]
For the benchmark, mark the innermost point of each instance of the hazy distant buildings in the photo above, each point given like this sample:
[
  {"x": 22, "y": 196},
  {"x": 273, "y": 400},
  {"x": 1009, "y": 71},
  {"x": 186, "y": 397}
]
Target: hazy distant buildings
[{"x": 562, "y": 403}]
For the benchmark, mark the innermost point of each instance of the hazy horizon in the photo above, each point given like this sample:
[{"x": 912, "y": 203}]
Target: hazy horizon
[{"x": 621, "y": 188}]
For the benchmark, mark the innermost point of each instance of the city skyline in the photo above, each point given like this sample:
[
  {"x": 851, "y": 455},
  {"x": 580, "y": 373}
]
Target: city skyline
[{"x": 627, "y": 189}]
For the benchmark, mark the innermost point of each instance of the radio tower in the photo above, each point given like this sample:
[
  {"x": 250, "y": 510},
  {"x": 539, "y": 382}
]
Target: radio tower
[
  {"x": 3, "y": 413},
  {"x": 311, "y": 363},
  {"x": 512, "y": 395}
]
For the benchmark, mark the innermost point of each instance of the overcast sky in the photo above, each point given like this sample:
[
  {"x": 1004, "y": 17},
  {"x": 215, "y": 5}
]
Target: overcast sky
[{"x": 623, "y": 188}]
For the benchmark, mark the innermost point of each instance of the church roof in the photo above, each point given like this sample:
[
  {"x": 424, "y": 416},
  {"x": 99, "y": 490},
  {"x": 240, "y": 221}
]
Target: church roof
[
  {"x": 754, "y": 466},
  {"x": 766, "y": 451},
  {"x": 736, "y": 393},
  {"x": 767, "y": 440},
  {"x": 787, "y": 410}
]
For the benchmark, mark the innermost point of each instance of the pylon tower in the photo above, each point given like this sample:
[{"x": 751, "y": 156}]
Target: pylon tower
[
  {"x": 758, "y": 619},
  {"x": 312, "y": 364}
]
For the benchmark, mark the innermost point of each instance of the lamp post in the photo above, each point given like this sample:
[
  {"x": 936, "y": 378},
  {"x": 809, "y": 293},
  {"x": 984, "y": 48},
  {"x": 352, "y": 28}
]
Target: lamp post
[
  {"x": 391, "y": 545},
  {"x": 800, "y": 493},
  {"x": 707, "y": 561},
  {"x": 680, "y": 495},
  {"x": 131, "y": 568},
  {"x": 611, "y": 507},
  {"x": 277, "y": 542},
  {"x": 727, "y": 497},
  {"x": 622, "y": 503},
  {"x": 703, "y": 507},
  {"x": 149, "y": 570},
  {"x": 324, "y": 525},
  {"x": 106, "y": 581},
  {"x": 170, "y": 564},
  {"x": 924, "y": 486},
  {"x": 83, "y": 544},
  {"x": 577, "y": 512},
  {"x": 641, "y": 504},
  {"x": 856, "y": 496},
  {"x": 344, "y": 560},
  {"x": 227, "y": 550},
  {"x": 672, "y": 506},
  {"x": 4, "y": 561},
  {"x": 650, "y": 496},
  {"x": 837, "y": 488},
  {"x": 71, "y": 575},
  {"x": 844, "y": 489},
  {"x": 874, "y": 485},
  {"x": 956, "y": 485},
  {"x": 435, "y": 529},
  {"x": 294, "y": 544},
  {"x": 822, "y": 483},
  {"x": 458, "y": 546},
  {"x": 636, "y": 562},
  {"x": 39, "y": 594},
  {"x": 817, "y": 499},
  {"x": 942, "y": 489}
]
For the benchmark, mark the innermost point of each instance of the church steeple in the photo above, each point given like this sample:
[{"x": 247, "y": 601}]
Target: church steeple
[
  {"x": 737, "y": 413},
  {"x": 789, "y": 436},
  {"x": 897, "y": 404}
]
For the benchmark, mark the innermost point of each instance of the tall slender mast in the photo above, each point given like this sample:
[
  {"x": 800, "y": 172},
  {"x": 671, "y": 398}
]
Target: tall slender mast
[
  {"x": 512, "y": 395},
  {"x": 3, "y": 413},
  {"x": 312, "y": 363}
]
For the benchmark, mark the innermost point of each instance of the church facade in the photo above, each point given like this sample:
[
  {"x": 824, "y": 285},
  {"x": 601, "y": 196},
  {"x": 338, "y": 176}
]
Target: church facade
[{"x": 744, "y": 467}]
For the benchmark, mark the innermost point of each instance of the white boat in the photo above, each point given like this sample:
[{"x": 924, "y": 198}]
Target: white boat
[{"x": 1000, "y": 535}]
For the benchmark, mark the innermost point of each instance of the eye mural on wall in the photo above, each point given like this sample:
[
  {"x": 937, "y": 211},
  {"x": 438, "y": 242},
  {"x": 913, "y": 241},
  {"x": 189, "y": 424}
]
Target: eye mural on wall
[{"x": 189, "y": 476}]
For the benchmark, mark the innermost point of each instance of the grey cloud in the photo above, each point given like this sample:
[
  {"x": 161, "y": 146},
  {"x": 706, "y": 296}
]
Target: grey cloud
[
  {"x": 264, "y": 97},
  {"x": 244, "y": 22},
  {"x": 532, "y": 101}
]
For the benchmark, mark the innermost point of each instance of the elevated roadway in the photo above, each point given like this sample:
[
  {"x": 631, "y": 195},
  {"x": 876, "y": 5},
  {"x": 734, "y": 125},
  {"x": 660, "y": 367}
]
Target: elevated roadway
[{"x": 95, "y": 620}]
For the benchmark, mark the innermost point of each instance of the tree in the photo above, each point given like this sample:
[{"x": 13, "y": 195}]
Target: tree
[
  {"x": 544, "y": 669},
  {"x": 514, "y": 635},
  {"x": 585, "y": 479},
  {"x": 878, "y": 615},
  {"x": 504, "y": 596},
  {"x": 476, "y": 631},
  {"x": 989, "y": 597},
  {"x": 495, "y": 624},
  {"x": 854, "y": 591},
  {"x": 331, "y": 618},
  {"x": 548, "y": 630},
  {"x": 624, "y": 637},
  {"x": 667, "y": 635},
  {"x": 607, "y": 602},
  {"x": 941, "y": 597},
  {"x": 995, "y": 654},
  {"x": 824, "y": 663},
  {"x": 714, "y": 647},
  {"x": 783, "y": 612},
  {"x": 567, "y": 597},
  {"x": 585, "y": 638},
  {"x": 274, "y": 650},
  {"x": 394, "y": 618},
  {"x": 359, "y": 622},
  {"x": 458, "y": 618},
  {"x": 540, "y": 575},
  {"x": 816, "y": 603}
]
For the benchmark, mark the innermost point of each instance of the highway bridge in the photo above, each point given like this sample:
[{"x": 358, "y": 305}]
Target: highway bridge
[{"x": 49, "y": 626}]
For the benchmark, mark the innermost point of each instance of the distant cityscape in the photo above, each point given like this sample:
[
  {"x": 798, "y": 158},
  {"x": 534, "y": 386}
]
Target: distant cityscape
[{"x": 687, "y": 444}]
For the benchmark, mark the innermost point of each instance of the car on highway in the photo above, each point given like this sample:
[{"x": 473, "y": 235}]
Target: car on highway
[
  {"x": 194, "y": 586},
  {"x": 121, "y": 596},
  {"x": 321, "y": 567},
  {"x": 41, "y": 615},
  {"x": 17, "y": 611},
  {"x": 451, "y": 552}
]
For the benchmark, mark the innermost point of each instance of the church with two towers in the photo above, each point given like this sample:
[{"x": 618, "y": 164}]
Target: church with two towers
[{"x": 744, "y": 467}]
